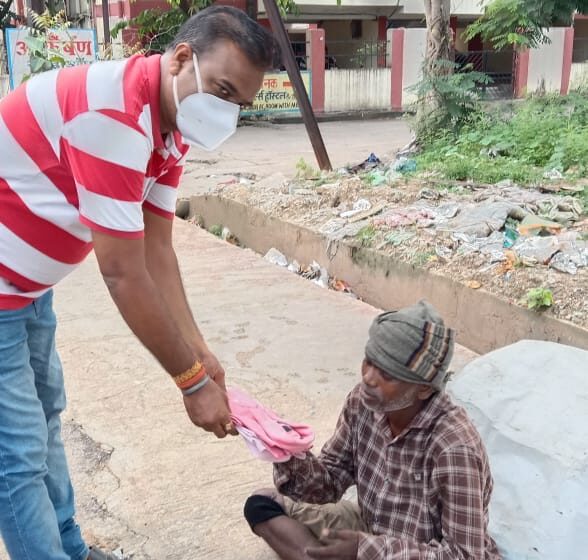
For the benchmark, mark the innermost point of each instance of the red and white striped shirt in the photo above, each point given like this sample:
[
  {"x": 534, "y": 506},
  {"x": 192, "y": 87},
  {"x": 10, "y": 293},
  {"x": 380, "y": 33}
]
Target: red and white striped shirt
[{"x": 80, "y": 149}]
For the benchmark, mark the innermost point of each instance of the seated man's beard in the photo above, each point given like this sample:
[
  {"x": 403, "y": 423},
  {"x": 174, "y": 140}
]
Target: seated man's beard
[{"x": 375, "y": 401}]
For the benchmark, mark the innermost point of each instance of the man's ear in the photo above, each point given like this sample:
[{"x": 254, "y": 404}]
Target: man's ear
[
  {"x": 424, "y": 392},
  {"x": 181, "y": 54}
]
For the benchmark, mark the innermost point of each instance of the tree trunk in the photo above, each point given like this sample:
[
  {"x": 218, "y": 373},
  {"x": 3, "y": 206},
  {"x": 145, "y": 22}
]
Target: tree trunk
[
  {"x": 439, "y": 43},
  {"x": 185, "y": 6},
  {"x": 251, "y": 9},
  {"x": 37, "y": 6},
  {"x": 439, "y": 48}
]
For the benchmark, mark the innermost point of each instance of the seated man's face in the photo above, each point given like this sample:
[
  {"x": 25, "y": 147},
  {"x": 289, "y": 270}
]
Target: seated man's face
[{"x": 381, "y": 393}]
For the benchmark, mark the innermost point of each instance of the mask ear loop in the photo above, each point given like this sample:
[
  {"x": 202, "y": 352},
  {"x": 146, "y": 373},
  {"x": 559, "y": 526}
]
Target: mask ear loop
[
  {"x": 175, "y": 92},
  {"x": 197, "y": 72}
]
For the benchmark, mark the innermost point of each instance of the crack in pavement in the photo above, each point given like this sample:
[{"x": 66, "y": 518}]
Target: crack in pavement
[{"x": 94, "y": 458}]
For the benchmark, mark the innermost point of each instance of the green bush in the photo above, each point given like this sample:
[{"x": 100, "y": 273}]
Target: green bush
[
  {"x": 447, "y": 99},
  {"x": 538, "y": 299},
  {"x": 518, "y": 142},
  {"x": 571, "y": 152},
  {"x": 156, "y": 27},
  {"x": 366, "y": 235}
]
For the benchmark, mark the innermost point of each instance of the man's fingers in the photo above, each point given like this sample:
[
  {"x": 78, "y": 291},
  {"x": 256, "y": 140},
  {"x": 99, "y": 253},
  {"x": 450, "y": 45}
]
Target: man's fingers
[
  {"x": 336, "y": 545},
  {"x": 342, "y": 535},
  {"x": 219, "y": 379},
  {"x": 219, "y": 431},
  {"x": 230, "y": 428},
  {"x": 321, "y": 552},
  {"x": 327, "y": 540},
  {"x": 226, "y": 428}
]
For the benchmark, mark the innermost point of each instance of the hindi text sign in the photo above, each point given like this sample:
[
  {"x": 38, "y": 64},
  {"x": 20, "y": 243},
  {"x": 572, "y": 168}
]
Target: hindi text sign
[
  {"x": 76, "y": 46},
  {"x": 277, "y": 94}
]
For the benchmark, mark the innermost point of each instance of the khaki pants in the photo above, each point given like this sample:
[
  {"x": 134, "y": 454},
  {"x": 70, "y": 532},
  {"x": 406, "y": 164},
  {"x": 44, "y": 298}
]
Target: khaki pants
[{"x": 342, "y": 515}]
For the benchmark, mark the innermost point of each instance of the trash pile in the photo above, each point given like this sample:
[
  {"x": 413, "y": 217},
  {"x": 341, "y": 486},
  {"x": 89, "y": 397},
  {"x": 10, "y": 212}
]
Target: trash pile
[
  {"x": 313, "y": 272},
  {"x": 504, "y": 237},
  {"x": 375, "y": 173},
  {"x": 522, "y": 231},
  {"x": 504, "y": 222}
]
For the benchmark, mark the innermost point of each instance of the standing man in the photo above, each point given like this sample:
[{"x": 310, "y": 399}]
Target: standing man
[{"x": 91, "y": 158}]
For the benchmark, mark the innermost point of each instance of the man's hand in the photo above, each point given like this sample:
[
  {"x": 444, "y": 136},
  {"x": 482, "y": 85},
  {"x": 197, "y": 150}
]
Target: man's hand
[
  {"x": 208, "y": 408},
  {"x": 214, "y": 369},
  {"x": 338, "y": 545}
]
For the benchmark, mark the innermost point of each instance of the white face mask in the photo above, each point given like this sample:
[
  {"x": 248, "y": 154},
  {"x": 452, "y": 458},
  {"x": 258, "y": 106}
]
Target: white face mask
[{"x": 203, "y": 119}]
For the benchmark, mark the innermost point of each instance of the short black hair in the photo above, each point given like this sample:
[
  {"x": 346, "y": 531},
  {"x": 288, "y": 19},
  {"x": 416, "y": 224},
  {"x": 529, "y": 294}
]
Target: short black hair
[{"x": 226, "y": 23}]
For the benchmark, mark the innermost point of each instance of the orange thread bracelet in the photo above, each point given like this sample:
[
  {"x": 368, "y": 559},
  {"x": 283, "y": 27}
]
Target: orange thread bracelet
[{"x": 190, "y": 377}]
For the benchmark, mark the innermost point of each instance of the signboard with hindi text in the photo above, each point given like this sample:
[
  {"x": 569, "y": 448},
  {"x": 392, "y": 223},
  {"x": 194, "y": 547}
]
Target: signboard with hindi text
[
  {"x": 76, "y": 46},
  {"x": 277, "y": 94}
]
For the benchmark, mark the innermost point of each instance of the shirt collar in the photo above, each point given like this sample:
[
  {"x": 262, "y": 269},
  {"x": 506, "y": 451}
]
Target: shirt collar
[{"x": 427, "y": 416}]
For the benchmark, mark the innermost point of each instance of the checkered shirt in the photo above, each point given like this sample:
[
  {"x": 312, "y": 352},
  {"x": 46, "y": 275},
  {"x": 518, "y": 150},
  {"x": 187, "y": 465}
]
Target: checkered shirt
[{"x": 423, "y": 495}]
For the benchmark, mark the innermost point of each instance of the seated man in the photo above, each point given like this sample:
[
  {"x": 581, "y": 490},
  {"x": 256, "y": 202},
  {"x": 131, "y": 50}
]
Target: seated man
[{"x": 421, "y": 470}]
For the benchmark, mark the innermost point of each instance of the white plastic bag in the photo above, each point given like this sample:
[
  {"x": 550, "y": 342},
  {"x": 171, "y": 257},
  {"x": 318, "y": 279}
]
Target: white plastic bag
[{"x": 529, "y": 402}]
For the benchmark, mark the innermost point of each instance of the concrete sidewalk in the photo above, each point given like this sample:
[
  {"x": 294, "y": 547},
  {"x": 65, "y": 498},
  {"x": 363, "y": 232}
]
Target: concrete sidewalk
[
  {"x": 146, "y": 479},
  {"x": 266, "y": 149}
]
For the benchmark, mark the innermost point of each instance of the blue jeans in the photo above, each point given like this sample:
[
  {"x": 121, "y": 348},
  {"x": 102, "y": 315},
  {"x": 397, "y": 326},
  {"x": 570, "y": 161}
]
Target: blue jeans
[{"x": 36, "y": 495}]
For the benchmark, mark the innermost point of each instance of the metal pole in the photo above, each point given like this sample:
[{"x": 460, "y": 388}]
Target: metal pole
[
  {"x": 289, "y": 60},
  {"x": 106, "y": 22}
]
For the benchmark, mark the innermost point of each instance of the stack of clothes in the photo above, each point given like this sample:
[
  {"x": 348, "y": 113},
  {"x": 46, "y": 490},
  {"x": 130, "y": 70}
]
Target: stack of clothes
[{"x": 268, "y": 437}]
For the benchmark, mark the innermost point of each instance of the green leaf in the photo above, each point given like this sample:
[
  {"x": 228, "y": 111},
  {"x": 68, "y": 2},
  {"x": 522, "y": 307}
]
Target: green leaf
[
  {"x": 538, "y": 299},
  {"x": 57, "y": 60},
  {"x": 35, "y": 44},
  {"x": 522, "y": 23},
  {"x": 36, "y": 63}
]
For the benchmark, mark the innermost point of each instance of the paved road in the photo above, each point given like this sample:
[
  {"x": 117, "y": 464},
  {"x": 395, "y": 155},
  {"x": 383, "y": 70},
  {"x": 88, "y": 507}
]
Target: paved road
[{"x": 267, "y": 149}]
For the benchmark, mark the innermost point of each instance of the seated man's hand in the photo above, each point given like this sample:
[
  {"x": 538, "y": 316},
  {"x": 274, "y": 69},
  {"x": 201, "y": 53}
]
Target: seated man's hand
[
  {"x": 337, "y": 545},
  {"x": 208, "y": 408}
]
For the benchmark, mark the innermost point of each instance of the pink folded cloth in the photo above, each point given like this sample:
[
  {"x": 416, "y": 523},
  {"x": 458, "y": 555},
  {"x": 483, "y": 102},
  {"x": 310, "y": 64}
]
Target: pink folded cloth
[
  {"x": 267, "y": 436},
  {"x": 260, "y": 450}
]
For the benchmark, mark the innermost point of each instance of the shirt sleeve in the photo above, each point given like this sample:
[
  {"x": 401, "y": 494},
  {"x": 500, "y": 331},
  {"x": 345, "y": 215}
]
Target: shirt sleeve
[
  {"x": 108, "y": 154},
  {"x": 460, "y": 478},
  {"x": 322, "y": 479},
  {"x": 163, "y": 194}
]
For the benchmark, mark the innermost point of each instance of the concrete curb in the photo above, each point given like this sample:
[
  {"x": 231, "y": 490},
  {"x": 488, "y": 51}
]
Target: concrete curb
[
  {"x": 484, "y": 322},
  {"x": 289, "y": 118}
]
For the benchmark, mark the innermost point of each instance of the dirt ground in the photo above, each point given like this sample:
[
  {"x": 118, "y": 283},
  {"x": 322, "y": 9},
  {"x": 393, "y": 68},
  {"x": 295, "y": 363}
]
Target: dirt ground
[{"x": 317, "y": 201}]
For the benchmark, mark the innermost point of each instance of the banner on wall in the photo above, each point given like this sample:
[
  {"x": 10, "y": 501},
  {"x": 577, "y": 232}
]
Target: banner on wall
[
  {"x": 76, "y": 46},
  {"x": 277, "y": 95}
]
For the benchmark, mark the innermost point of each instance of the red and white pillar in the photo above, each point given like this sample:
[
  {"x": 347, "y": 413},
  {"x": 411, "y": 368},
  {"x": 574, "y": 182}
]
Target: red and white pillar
[
  {"x": 315, "y": 48},
  {"x": 568, "y": 55},
  {"x": 396, "y": 42},
  {"x": 521, "y": 72}
]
